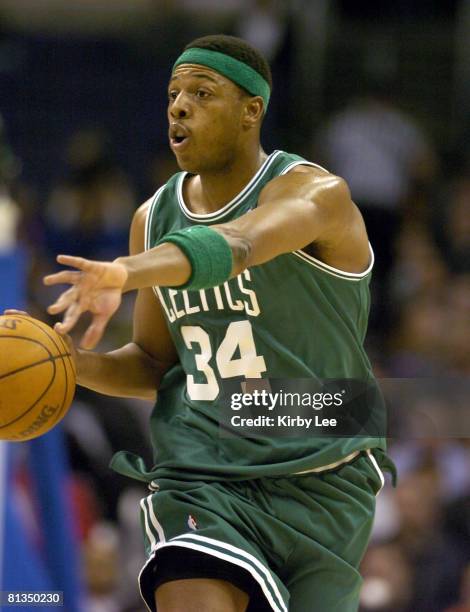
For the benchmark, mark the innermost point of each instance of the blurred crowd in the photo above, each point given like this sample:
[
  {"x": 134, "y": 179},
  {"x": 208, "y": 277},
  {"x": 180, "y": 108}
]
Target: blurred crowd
[{"x": 415, "y": 198}]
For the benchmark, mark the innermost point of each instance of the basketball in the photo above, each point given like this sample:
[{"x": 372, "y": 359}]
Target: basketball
[{"x": 37, "y": 378}]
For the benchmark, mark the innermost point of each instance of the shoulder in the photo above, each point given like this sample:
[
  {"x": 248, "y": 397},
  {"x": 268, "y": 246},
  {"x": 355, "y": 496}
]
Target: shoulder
[
  {"x": 138, "y": 227},
  {"x": 302, "y": 174},
  {"x": 304, "y": 181},
  {"x": 312, "y": 171},
  {"x": 325, "y": 195},
  {"x": 140, "y": 215}
]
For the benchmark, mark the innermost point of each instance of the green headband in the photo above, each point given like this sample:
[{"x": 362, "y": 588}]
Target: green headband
[{"x": 228, "y": 66}]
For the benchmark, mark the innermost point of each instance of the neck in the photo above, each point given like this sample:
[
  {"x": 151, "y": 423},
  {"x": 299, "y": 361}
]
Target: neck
[{"x": 210, "y": 191}]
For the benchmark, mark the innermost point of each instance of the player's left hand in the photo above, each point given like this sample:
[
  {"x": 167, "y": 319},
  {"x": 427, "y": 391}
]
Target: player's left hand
[{"x": 96, "y": 287}]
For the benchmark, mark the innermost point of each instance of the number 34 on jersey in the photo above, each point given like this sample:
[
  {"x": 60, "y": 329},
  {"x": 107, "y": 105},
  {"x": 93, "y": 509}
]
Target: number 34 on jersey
[
  {"x": 231, "y": 354},
  {"x": 238, "y": 338}
]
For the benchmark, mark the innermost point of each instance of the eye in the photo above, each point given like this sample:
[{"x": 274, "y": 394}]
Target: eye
[
  {"x": 172, "y": 95},
  {"x": 202, "y": 93}
]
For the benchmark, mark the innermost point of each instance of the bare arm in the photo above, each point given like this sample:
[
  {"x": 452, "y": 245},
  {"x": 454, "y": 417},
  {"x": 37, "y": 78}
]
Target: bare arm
[
  {"x": 303, "y": 207},
  {"x": 136, "y": 369},
  {"x": 306, "y": 206}
]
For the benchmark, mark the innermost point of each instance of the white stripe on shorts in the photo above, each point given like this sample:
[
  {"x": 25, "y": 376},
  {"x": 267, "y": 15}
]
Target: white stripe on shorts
[
  {"x": 151, "y": 517},
  {"x": 239, "y": 551},
  {"x": 260, "y": 579}
]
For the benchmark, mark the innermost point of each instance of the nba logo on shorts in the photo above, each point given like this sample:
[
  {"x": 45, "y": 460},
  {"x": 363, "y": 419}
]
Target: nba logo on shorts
[{"x": 192, "y": 522}]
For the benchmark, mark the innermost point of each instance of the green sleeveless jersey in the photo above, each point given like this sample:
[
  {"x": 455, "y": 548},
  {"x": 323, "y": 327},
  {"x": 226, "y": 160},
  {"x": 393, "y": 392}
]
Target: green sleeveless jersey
[{"x": 293, "y": 317}]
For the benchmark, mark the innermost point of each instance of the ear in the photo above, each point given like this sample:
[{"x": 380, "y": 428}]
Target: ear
[{"x": 253, "y": 111}]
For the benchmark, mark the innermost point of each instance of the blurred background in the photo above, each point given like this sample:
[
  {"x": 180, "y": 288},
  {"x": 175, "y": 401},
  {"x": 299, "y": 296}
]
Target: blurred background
[{"x": 377, "y": 92}]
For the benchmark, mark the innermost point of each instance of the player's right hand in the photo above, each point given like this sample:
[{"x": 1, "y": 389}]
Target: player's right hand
[{"x": 96, "y": 287}]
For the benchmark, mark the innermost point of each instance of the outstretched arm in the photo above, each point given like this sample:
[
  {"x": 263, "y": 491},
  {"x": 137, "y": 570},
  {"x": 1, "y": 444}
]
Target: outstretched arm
[
  {"x": 136, "y": 369},
  {"x": 295, "y": 210},
  {"x": 307, "y": 206},
  {"x": 97, "y": 286}
]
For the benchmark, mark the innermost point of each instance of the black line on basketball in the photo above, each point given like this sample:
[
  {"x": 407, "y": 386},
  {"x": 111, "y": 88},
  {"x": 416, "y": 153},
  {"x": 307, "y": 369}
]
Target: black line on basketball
[
  {"x": 53, "y": 340},
  {"x": 37, "y": 401},
  {"x": 72, "y": 365},
  {"x": 30, "y": 365}
]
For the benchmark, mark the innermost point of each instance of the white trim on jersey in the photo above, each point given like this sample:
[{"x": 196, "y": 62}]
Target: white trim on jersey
[
  {"x": 330, "y": 466},
  {"x": 263, "y": 577},
  {"x": 215, "y": 216},
  {"x": 236, "y": 201},
  {"x": 377, "y": 468},
  {"x": 149, "y": 217},
  {"x": 316, "y": 262},
  {"x": 147, "y": 247},
  {"x": 350, "y": 276},
  {"x": 302, "y": 162}
]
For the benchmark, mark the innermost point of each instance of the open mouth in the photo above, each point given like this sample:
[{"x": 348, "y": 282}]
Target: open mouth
[
  {"x": 178, "y": 143},
  {"x": 179, "y": 135}
]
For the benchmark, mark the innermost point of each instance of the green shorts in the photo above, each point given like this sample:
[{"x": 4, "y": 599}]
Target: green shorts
[{"x": 298, "y": 539}]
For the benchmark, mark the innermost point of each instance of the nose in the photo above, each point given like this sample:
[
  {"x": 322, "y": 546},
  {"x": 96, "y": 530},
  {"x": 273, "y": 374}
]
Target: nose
[{"x": 179, "y": 107}]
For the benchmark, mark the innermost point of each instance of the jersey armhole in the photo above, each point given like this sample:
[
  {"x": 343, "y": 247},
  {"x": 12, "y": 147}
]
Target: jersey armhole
[
  {"x": 317, "y": 263},
  {"x": 301, "y": 162},
  {"x": 350, "y": 276},
  {"x": 148, "y": 220}
]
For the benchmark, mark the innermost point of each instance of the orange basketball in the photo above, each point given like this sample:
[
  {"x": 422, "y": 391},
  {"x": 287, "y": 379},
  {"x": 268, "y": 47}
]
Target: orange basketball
[{"x": 37, "y": 378}]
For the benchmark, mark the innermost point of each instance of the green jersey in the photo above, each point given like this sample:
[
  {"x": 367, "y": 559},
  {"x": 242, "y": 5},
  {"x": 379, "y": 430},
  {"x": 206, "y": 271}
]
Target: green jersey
[{"x": 294, "y": 317}]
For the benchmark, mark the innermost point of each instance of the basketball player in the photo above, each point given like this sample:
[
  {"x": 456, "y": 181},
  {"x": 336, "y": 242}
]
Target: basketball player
[{"x": 247, "y": 265}]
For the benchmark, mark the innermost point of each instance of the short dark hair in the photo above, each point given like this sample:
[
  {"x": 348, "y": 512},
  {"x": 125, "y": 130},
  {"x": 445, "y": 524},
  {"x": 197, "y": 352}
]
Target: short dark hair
[{"x": 238, "y": 49}]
